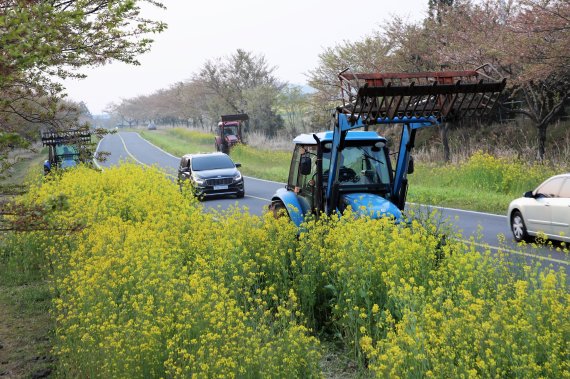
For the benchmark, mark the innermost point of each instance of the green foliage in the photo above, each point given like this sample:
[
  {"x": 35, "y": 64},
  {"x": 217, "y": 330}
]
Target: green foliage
[
  {"x": 56, "y": 36},
  {"x": 483, "y": 182},
  {"x": 294, "y": 106},
  {"x": 270, "y": 165},
  {"x": 181, "y": 141},
  {"x": 42, "y": 40},
  {"x": 244, "y": 83}
]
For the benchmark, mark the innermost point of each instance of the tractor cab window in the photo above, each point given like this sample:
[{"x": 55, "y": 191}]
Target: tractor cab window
[
  {"x": 360, "y": 165},
  {"x": 296, "y": 178},
  {"x": 66, "y": 155},
  {"x": 303, "y": 183},
  {"x": 230, "y": 130}
]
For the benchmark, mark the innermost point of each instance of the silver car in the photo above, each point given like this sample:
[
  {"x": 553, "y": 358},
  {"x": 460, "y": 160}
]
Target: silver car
[{"x": 544, "y": 210}]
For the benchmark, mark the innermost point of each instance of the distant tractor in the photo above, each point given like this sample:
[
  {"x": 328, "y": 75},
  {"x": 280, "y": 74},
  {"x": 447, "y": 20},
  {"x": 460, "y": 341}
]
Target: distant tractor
[
  {"x": 66, "y": 148},
  {"x": 230, "y": 131}
]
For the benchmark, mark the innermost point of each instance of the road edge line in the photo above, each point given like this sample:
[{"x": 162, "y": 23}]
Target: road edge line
[{"x": 510, "y": 251}]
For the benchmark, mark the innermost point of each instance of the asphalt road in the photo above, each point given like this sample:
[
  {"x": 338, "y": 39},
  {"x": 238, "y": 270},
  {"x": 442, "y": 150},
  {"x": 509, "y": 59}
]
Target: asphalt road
[{"x": 488, "y": 230}]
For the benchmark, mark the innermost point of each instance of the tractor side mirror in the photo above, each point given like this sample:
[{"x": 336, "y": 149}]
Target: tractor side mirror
[
  {"x": 411, "y": 165},
  {"x": 305, "y": 165}
]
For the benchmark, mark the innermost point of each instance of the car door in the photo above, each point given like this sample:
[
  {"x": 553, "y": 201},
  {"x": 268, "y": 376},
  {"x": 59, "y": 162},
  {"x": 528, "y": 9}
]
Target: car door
[
  {"x": 538, "y": 210},
  {"x": 560, "y": 210}
]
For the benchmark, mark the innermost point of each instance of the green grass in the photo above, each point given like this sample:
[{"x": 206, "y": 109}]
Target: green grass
[
  {"x": 482, "y": 183},
  {"x": 180, "y": 141},
  {"x": 25, "y": 331},
  {"x": 264, "y": 164},
  {"x": 461, "y": 198},
  {"x": 25, "y": 323},
  {"x": 450, "y": 186},
  {"x": 21, "y": 171}
]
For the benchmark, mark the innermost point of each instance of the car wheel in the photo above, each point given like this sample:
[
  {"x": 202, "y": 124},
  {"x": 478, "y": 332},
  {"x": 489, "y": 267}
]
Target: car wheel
[
  {"x": 241, "y": 195},
  {"x": 518, "y": 227}
]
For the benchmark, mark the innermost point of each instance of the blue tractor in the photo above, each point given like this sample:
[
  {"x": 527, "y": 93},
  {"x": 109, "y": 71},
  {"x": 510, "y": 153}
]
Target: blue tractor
[
  {"x": 345, "y": 167},
  {"x": 66, "y": 148}
]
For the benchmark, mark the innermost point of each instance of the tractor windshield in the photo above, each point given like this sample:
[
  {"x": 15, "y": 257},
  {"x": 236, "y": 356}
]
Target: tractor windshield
[
  {"x": 230, "y": 130},
  {"x": 360, "y": 165},
  {"x": 66, "y": 156}
]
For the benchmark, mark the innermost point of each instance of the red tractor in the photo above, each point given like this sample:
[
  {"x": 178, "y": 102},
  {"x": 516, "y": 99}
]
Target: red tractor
[{"x": 230, "y": 131}]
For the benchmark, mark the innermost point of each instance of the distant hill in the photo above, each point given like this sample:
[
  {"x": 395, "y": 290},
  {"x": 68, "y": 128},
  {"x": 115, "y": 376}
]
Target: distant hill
[{"x": 307, "y": 89}]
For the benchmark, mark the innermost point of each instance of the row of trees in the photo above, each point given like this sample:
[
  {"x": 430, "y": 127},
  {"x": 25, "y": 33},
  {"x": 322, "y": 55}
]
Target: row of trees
[
  {"x": 43, "y": 42},
  {"x": 526, "y": 40},
  {"x": 241, "y": 82}
]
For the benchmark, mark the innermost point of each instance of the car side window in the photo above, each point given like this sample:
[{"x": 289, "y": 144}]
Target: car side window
[
  {"x": 565, "y": 190},
  {"x": 550, "y": 189}
]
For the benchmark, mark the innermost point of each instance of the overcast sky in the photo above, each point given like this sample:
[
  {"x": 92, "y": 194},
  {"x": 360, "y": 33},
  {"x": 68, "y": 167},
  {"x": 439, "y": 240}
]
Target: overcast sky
[{"x": 289, "y": 33}]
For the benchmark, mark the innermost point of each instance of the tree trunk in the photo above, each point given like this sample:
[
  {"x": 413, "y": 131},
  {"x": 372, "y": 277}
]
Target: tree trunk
[
  {"x": 443, "y": 132},
  {"x": 541, "y": 141}
]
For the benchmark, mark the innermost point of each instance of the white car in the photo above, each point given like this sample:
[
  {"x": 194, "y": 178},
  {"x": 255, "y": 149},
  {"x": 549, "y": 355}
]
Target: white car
[{"x": 544, "y": 210}]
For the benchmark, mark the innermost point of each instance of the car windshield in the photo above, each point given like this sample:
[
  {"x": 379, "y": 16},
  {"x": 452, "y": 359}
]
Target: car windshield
[{"x": 211, "y": 162}]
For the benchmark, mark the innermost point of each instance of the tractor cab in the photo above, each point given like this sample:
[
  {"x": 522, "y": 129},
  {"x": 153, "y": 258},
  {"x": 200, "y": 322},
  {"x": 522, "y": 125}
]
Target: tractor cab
[
  {"x": 230, "y": 132},
  {"x": 66, "y": 156},
  {"x": 66, "y": 149},
  {"x": 364, "y": 173}
]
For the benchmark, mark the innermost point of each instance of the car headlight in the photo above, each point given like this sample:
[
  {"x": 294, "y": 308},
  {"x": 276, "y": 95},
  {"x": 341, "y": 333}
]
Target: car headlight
[
  {"x": 198, "y": 180},
  {"x": 237, "y": 177}
]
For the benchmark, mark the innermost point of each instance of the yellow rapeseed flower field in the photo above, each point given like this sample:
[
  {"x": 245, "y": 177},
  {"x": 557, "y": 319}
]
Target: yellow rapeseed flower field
[{"x": 147, "y": 284}]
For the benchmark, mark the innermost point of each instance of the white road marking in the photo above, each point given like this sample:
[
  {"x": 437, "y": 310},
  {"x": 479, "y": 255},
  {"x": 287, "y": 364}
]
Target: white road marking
[
  {"x": 95, "y": 160},
  {"x": 128, "y": 152},
  {"x": 458, "y": 210},
  {"x": 516, "y": 252},
  {"x": 144, "y": 164},
  {"x": 264, "y": 180},
  {"x": 258, "y": 198}
]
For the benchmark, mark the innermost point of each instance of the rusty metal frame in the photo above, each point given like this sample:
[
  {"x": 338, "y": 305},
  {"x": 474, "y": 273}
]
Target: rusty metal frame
[{"x": 377, "y": 97}]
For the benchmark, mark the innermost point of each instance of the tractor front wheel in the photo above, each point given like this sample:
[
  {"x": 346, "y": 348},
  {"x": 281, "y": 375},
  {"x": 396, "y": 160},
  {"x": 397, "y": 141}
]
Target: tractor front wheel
[{"x": 278, "y": 209}]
